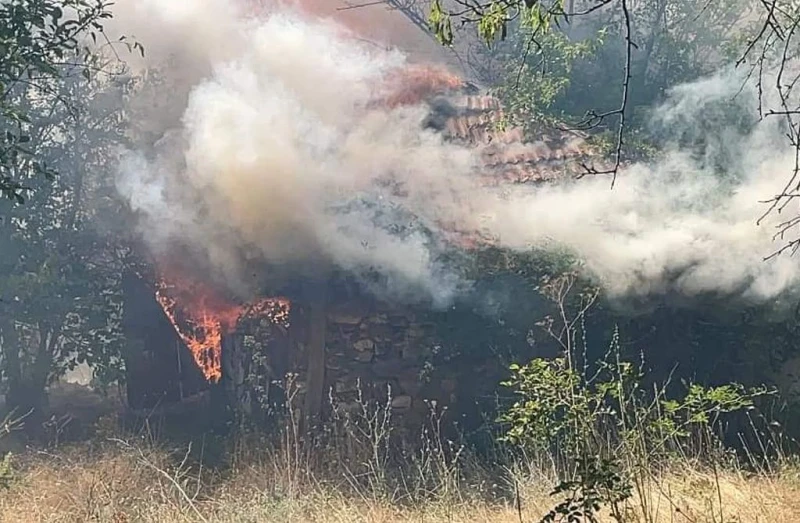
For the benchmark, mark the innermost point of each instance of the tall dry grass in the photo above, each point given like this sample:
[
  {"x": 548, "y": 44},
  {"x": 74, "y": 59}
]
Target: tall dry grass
[
  {"x": 121, "y": 482},
  {"x": 355, "y": 471}
]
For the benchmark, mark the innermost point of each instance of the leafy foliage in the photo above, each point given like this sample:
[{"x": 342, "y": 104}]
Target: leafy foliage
[
  {"x": 493, "y": 19},
  {"x": 60, "y": 288},
  {"x": 41, "y": 41},
  {"x": 598, "y": 482},
  {"x": 607, "y": 427},
  {"x": 536, "y": 70},
  {"x": 595, "y": 66}
]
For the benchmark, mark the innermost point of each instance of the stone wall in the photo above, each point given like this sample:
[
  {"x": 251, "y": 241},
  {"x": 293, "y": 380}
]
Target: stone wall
[
  {"x": 389, "y": 353},
  {"x": 384, "y": 350},
  {"x": 374, "y": 351}
]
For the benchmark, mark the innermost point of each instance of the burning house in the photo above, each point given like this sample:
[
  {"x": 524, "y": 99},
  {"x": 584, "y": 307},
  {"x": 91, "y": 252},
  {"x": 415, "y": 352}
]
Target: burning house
[
  {"x": 293, "y": 143},
  {"x": 188, "y": 337},
  {"x": 330, "y": 332}
]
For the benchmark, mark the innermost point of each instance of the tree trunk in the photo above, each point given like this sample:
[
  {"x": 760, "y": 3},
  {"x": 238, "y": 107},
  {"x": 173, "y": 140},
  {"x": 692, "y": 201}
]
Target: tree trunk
[
  {"x": 639, "y": 83},
  {"x": 26, "y": 395},
  {"x": 12, "y": 368}
]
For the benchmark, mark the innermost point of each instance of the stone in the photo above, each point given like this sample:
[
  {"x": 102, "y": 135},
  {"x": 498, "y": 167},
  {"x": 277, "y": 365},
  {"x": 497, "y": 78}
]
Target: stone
[
  {"x": 411, "y": 351},
  {"x": 350, "y": 407},
  {"x": 381, "y": 332},
  {"x": 393, "y": 368},
  {"x": 346, "y": 385},
  {"x": 384, "y": 349},
  {"x": 345, "y": 330},
  {"x": 347, "y": 315},
  {"x": 399, "y": 348},
  {"x": 364, "y": 345},
  {"x": 401, "y": 402},
  {"x": 416, "y": 331},
  {"x": 333, "y": 364},
  {"x": 379, "y": 319},
  {"x": 398, "y": 321},
  {"x": 364, "y": 357},
  {"x": 787, "y": 378},
  {"x": 410, "y": 386},
  {"x": 343, "y": 319}
]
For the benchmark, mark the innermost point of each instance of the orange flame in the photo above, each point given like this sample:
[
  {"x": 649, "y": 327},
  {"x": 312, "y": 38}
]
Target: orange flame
[{"x": 202, "y": 317}]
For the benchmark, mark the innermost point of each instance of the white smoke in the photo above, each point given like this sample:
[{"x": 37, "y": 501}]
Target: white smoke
[
  {"x": 281, "y": 154},
  {"x": 686, "y": 223}
]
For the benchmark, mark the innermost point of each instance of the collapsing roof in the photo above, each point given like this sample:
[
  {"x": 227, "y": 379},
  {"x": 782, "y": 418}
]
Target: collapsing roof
[{"x": 462, "y": 111}]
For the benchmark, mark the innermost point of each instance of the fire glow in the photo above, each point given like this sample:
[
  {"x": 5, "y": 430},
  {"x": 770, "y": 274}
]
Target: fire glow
[{"x": 201, "y": 317}]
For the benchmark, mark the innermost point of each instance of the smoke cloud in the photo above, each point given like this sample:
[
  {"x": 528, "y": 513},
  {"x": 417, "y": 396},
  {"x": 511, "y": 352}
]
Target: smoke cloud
[
  {"x": 685, "y": 223},
  {"x": 282, "y": 154},
  {"x": 269, "y": 144}
]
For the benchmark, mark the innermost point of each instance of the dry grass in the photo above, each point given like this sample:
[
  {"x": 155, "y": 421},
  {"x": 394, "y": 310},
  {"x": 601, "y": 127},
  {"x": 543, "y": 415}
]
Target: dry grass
[
  {"x": 122, "y": 483},
  {"x": 355, "y": 472}
]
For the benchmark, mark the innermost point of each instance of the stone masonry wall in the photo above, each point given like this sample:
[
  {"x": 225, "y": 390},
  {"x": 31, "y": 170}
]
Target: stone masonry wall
[
  {"x": 381, "y": 352},
  {"x": 398, "y": 354},
  {"x": 384, "y": 351}
]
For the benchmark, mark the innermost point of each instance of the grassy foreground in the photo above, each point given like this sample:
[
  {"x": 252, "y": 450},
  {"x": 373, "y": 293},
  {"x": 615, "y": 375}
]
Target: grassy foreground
[{"x": 119, "y": 482}]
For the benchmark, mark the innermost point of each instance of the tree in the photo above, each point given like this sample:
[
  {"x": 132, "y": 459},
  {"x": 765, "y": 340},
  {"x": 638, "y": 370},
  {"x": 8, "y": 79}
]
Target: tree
[
  {"x": 533, "y": 80},
  {"x": 650, "y": 45},
  {"x": 60, "y": 275},
  {"x": 40, "y": 41},
  {"x": 770, "y": 57}
]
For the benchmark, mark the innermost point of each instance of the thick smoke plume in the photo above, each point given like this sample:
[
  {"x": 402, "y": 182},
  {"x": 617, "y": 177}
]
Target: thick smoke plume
[
  {"x": 283, "y": 152},
  {"x": 271, "y": 143},
  {"x": 685, "y": 223}
]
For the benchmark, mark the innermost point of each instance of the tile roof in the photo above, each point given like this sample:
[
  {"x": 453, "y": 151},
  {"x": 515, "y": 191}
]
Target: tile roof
[
  {"x": 477, "y": 119},
  {"x": 467, "y": 114}
]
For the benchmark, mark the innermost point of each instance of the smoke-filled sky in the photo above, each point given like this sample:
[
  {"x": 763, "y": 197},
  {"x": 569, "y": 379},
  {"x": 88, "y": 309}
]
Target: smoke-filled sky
[{"x": 271, "y": 144}]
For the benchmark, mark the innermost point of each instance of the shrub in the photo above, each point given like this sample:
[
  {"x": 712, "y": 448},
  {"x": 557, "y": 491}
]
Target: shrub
[{"x": 608, "y": 433}]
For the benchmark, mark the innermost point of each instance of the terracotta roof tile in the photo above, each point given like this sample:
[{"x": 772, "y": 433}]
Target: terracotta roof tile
[
  {"x": 466, "y": 115},
  {"x": 477, "y": 120}
]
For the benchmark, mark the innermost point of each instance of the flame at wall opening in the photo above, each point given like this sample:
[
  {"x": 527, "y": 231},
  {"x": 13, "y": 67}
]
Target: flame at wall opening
[{"x": 202, "y": 317}]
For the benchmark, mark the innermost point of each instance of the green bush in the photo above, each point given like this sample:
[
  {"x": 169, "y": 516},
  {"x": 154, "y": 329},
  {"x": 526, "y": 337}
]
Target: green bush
[{"x": 607, "y": 432}]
